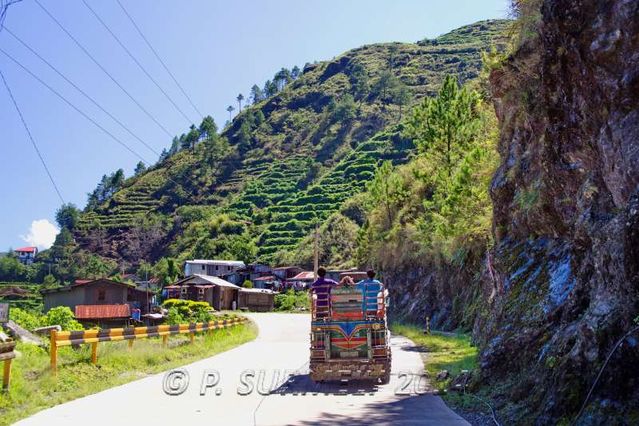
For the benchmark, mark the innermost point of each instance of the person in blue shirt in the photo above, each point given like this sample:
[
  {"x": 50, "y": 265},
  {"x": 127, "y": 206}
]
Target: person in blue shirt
[{"x": 370, "y": 288}]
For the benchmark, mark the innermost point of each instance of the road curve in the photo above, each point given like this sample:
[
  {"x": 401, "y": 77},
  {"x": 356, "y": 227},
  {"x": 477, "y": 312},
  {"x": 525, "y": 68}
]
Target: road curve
[{"x": 280, "y": 350}]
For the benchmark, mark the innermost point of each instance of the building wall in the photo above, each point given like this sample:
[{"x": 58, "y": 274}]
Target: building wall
[
  {"x": 113, "y": 294},
  {"x": 70, "y": 298}
]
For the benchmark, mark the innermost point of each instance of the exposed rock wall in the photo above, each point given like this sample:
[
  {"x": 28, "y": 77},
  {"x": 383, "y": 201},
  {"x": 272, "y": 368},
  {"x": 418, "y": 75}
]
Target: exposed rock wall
[{"x": 566, "y": 215}]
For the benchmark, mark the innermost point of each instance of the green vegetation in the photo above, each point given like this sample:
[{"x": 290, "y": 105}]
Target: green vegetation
[
  {"x": 33, "y": 388},
  {"x": 453, "y": 352},
  {"x": 187, "y": 311},
  {"x": 60, "y": 315},
  {"x": 23, "y": 295},
  {"x": 437, "y": 204},
  {"x": 292, "y": 301},
  {"x": 290, "y": 159}
]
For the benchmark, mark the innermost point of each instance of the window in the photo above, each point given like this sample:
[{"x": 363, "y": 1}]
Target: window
[
  {"x": 203, "y": 267},
  {"x": 101, "y": 295},
  {"x": 129, "y": 296},
  {"x": 217, "y": 267}
]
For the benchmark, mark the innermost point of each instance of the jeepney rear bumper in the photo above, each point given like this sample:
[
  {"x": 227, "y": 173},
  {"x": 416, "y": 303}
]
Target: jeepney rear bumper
[{"x": 338, "y": 369}]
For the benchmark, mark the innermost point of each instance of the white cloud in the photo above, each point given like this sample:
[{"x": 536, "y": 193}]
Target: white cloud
[{"x": 41, "y": 234}]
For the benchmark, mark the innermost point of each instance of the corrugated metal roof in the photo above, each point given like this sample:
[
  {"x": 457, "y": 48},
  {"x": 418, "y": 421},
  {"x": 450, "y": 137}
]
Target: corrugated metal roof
[
  {"x": 27, "y": 249},
  {"x": 304, "y": 276},
  {"x": 102, "y": 311}
]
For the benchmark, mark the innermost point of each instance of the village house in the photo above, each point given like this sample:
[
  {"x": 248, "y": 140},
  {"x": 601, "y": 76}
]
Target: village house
[
  {"x": 302, "y": 280},
  {"x": 220, "y": 294},
  {"x": 100, "y": 300},
  {"x": 212, "y": 268},
  {"x": 26, "y": 255},
  {"x": 286, "y": 273}
]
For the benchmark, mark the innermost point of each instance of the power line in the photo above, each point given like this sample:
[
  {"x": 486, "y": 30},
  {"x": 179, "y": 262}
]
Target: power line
[
  {"x": 159, "y": 58},
  {"x": 102, "y": 68},
  {"x": 35, "y": 146},
  {"x": 82, "y": 113},
  {"x": 80, "y": 90},
  {"x": 4, "y": 5},
  {"x": 65, "y": 100},
  {"x": 136, "y": 61}
]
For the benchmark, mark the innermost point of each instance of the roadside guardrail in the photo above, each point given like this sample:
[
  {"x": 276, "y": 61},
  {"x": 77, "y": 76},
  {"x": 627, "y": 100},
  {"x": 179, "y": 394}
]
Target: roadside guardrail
[
  {"x": 6, "y": 355},
  {"x": 93, "y": 337}
]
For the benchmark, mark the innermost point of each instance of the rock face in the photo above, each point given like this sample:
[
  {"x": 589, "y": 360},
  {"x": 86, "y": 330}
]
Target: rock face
[{"x": 566, "y": 216}]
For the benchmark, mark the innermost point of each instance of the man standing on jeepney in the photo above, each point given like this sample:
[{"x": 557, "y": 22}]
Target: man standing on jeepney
[
  {"x": 370, "y": 288},
  {"x": 321, "y": 289}
]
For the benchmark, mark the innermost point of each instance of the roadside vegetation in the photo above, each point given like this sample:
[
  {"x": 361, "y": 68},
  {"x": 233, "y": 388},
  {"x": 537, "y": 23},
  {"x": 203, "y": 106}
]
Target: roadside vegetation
[
  {"x": 452, "y": 352},
  {"x": 33, "y": 388},
  {"x": 292, "y": 301}
]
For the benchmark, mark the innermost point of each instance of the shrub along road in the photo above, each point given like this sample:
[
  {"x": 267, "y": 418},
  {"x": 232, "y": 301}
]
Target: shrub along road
[{"x": 281, "y": 347}]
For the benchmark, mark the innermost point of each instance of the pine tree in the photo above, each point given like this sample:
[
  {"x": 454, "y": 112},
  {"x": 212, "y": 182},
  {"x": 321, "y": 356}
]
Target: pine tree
[
  {"x": 444, "y": 127},
  {"x": 139, "y": 168},
  {"x": 230, "y": 109},
  {"x": 295, "y": 72},
  {"x": 240, "y": 98},
  {"x": 257, "y": 94}
]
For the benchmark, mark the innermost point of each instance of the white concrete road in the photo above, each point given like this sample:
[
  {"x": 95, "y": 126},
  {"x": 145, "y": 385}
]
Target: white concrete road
[{"x": 282, "y": 346}]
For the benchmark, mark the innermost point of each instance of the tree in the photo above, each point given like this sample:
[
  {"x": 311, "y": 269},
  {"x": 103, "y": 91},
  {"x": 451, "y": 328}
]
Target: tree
[
  {"x": 240, "y": 98},
  {"x": 345, "y": 109},
  {"x": 139, "y": 168},
  {"x": 295, "y": 72},
  {"x": 144, "y": 271},
  {"x": 230, "y": 109},
  {"x": 208, "y": 128},
  {"x": 386, "y": 190},
  {"x": 270, "y": 88},
  {"x": 384, "y": 86},
  {"x": 175, "y": 146},
  {"x": 163, "y": 155},
  {"x": 257, "y": 94},
  {"x": 282, "y": 78},
  {"x": 401, "y": 96},
  {"x": 67, "y": 216},
  {"x": 190, "y": 140},
  {"x": 444, "y": 127},
  {"x": 359, "y": 81}
]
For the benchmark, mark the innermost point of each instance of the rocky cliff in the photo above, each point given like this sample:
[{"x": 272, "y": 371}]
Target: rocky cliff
[{"x": 566, "y": 216}]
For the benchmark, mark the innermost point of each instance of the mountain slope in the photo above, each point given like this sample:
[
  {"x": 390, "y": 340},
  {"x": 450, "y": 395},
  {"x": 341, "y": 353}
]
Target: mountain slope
[{"x": 292, "y": 158}]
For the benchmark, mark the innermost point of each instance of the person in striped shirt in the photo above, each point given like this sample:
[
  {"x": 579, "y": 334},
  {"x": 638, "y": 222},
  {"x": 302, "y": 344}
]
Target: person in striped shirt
[
  {"x": 321, "y": 289},
  {"x": 370, "y": 288}
]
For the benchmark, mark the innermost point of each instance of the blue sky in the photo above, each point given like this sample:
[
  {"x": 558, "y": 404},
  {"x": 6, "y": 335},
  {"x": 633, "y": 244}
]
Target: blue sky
[{"x": 216, "y": 49}]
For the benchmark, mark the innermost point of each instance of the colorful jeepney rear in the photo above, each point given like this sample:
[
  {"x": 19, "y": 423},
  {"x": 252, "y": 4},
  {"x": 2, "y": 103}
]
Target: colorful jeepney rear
[{"x": 347, "y": 342}]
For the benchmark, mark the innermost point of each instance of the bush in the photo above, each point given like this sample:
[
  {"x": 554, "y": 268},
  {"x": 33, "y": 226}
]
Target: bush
[
  {"x": 183, "y": 311},
  {"x": 25, "y": 319},
  {"x": 291, "y": 300},
  {"x": 62, "y": 316},
  {"x": 248, "y": 284}
]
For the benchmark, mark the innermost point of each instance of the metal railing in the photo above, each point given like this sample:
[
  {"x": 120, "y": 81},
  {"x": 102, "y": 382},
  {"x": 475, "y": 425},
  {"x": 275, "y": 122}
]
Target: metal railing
[{"x": 67, "y": 338}]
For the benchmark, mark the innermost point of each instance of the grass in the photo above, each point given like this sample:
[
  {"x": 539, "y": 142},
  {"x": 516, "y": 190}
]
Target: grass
[
  {"x": 444, "y": 351},
  {"x": 33, "y": 388}
]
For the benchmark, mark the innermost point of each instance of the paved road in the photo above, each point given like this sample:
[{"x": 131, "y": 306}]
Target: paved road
[{"x": 282, "y": 346}]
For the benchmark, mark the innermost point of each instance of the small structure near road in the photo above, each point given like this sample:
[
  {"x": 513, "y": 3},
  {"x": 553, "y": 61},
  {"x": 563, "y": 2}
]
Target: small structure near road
[
  {"x": 99, "y": 300},
  {"x": 219, "y": 293},
  {"x": 257, "y": 299}
]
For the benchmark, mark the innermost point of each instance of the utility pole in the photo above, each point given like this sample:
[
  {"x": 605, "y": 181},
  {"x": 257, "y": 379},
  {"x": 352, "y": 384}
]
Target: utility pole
[{"x": 316, "y": 251}]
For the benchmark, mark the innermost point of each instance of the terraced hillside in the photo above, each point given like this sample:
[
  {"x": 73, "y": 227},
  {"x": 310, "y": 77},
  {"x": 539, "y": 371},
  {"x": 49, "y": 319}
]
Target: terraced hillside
[{"x": 291, "y": 159}]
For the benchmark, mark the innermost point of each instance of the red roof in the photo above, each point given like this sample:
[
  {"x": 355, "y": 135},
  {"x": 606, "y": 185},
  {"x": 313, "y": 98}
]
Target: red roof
[
  {"x": 268, "y": 278},
  {"x": 27, "y": 249},
  {"x": 304, "y": 276},
  {"x": 102, "y": 311}
]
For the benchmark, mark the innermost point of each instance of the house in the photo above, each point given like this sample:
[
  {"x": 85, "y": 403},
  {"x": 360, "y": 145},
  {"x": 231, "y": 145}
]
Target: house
[
  {"x": 285, "y": 273},
  {"x": 26, "y": 255},
  {"x": 212, "y": 268},
  {"x": 219, "y": 293},
  {"x": 267, "y": 282},
  {"x": 302, "y": 280},
  {"x": 100, "y": 300},
  {"x": 256, "y": 299}
]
